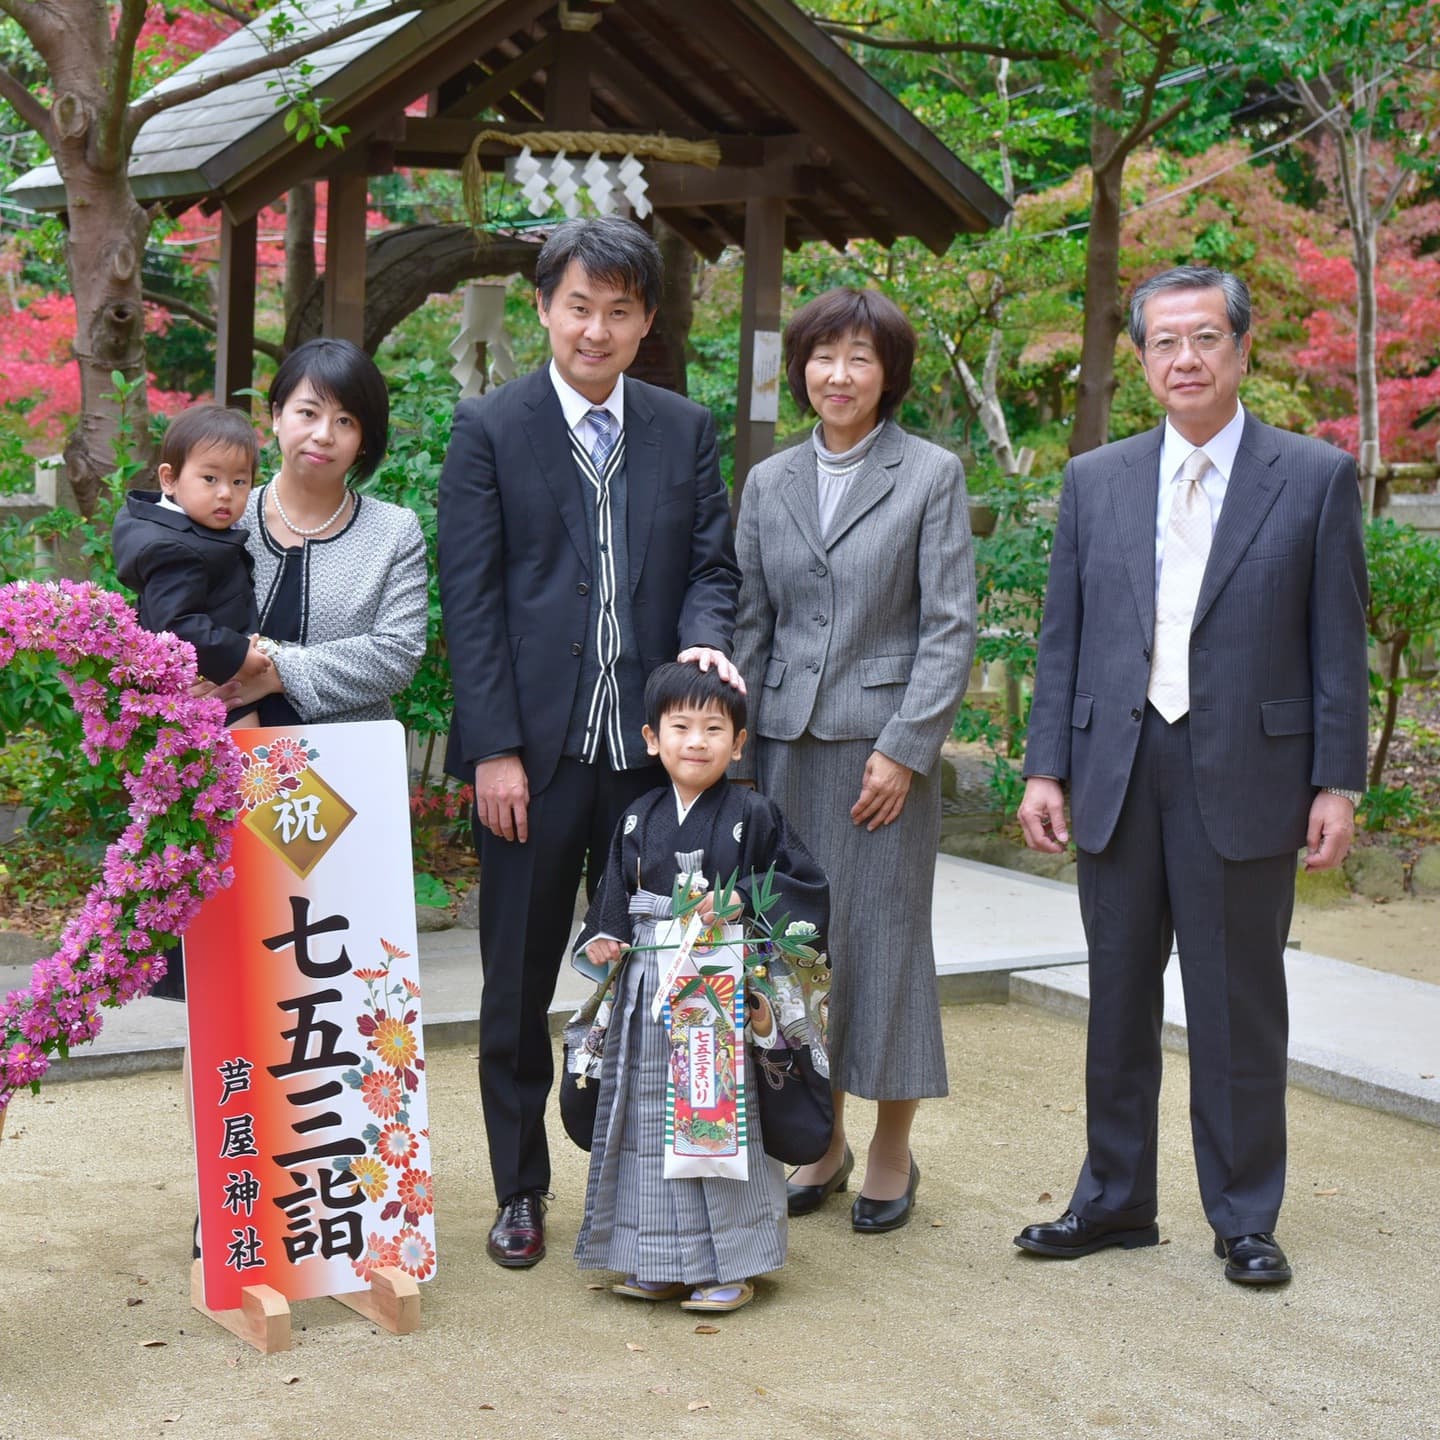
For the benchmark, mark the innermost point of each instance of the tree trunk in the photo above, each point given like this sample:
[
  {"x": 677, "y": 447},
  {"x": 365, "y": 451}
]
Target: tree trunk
[
  {"x": 1103, "y": 321},
  {"x": 1392, "y": 706},
  {"x": 677, "y": 302},
  {"x": 105, "y": 243},
  {"x": 1367, "y": 384},
  {"x": 300, "y": 268}
]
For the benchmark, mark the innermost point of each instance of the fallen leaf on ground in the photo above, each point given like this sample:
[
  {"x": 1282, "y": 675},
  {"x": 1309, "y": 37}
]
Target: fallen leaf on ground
[
  {"x": 487, "y": 1406},
  {"x": 936, "y": 1224},
  {"x": 1067, "y": 1109},
  {"x": 707, "y": 1329},
  {"x": 1044, "y": 1198},
  {"x": 1331, "y": 1190},
  {"x": 291, "y": 1380},
  {"x": 153, "y": 1344},
  {"x": 659, "y": 1390},
  {"x": 233, "y": 1361},
  {"x": 698, "y": 1405},
  {"x": 631, "y": 1345},
  {"x": 168, "y": 1419},
  {"x": 1166, "y": 1240},
  {"x": 133, "y": 1300},
  {"x": 594, "y": 1287},
  {"x": 1384, "y": 1231}
]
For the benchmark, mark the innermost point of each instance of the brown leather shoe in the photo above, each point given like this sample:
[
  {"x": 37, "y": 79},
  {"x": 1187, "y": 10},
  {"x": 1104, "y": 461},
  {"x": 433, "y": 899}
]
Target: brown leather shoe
[{"x": 517, "y": 1238}]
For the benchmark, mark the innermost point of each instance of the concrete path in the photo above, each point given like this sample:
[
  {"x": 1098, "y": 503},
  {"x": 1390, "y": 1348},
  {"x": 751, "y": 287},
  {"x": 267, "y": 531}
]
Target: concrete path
[{"x": 1357, "y": 1034}]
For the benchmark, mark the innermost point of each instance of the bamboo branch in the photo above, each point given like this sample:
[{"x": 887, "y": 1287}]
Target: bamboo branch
[
  {"x": 154, "y": 103},
  {"x": 24, "y": 104}
]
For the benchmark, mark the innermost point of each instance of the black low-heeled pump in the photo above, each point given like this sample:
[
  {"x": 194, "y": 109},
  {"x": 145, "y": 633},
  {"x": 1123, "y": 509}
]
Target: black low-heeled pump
[
  {"x": 874, "y": 1217},
  {"x": 802, "y": 1199}
]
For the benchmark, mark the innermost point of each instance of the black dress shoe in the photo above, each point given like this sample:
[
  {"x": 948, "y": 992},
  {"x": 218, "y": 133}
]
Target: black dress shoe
[
  {"x": 517, "y": 1238},
  {"x": 1070, "y": 1237},
  {"x": 874, "y": 1217},
  {"x": 802, "y": 1199},
  {"x": 1253, "y": 1259}
]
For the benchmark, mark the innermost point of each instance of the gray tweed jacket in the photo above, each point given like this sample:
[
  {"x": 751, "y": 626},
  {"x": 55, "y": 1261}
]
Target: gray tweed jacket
[
  {"x": 868, "y": 633},
  {"x": 363, "y": 612}
]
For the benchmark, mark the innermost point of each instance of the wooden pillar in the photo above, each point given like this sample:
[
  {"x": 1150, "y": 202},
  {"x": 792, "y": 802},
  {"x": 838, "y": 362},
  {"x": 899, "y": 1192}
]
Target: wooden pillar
[
  {"x": 235, "y": 312},
  {"x": 343, "y": 315},
  {"x": 760, "y": 366},
  {"x": 567, "y": 85}
]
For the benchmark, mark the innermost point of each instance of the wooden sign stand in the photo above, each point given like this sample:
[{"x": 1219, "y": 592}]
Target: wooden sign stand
[{"x": 263, "y": 1319}]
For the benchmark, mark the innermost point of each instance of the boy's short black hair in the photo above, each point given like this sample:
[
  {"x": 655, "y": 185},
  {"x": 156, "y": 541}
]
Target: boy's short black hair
[
  {"x": 208, "y": 425},
  {"x": 344, "y": 374},
  {"x": 673, "y": 685}
]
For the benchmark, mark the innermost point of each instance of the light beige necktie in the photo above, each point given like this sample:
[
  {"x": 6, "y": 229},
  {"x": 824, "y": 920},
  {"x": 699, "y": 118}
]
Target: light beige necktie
[{"x": 1182, "y": 567}]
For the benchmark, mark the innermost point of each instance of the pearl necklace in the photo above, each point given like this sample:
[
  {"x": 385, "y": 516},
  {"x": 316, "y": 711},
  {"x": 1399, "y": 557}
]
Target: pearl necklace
[
  {"x": 838, "y": 472},
  {"x": 293, "y": 528}
]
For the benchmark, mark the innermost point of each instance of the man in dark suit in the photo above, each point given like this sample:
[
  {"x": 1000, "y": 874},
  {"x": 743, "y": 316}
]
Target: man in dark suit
[
  {"x": 584, "y": 538},
  {"x": 1201, "y": 687}
]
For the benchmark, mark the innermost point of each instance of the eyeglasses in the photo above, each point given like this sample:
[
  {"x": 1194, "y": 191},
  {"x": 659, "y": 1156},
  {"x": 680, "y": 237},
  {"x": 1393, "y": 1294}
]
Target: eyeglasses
[{"x": 1206, "y": 342}]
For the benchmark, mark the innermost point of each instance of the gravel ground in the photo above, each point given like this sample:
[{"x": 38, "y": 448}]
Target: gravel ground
[{"x": 942, "y": 1329}]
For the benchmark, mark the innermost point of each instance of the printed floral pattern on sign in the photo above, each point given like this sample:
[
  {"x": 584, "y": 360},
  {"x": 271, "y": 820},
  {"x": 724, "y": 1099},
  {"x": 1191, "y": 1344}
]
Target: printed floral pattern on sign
[
  {"x": 272, "y": 770},
  {"x": 182, "y": 771},
  {"x": 386, "y": 1083}
]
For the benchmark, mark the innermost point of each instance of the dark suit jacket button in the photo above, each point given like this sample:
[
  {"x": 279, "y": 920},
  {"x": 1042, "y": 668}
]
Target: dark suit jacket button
[
  {"x": 582, "y": 589},
  {"x": 1145, "y": 653},
  {"x": 577, "y": 648},
  {"x": 821, "y": 571},
  {"x": 814, "y": 665},
  {"x": 1134, "y": 714}
]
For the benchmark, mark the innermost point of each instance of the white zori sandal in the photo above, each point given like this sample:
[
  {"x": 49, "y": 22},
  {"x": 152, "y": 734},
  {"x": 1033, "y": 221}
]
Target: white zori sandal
[{"x": 720, "y": 1297}]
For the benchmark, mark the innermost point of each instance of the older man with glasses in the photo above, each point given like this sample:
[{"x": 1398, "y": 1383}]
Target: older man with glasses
[{"x": 1201, "y": 690}]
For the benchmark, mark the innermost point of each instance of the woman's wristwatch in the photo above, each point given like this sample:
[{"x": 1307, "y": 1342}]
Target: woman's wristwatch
[{"x": 269, "y": 648}]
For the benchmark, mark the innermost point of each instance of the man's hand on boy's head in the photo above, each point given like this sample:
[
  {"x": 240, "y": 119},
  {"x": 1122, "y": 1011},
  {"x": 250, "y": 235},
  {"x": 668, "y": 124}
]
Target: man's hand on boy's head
[
  {"x": 705, "y": 657},
  {"x": 604, "y": 951}
]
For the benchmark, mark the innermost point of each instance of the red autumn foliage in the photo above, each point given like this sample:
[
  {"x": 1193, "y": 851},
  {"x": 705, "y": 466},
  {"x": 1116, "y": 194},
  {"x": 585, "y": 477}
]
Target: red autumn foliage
[{"x": 1407, "y": 338}]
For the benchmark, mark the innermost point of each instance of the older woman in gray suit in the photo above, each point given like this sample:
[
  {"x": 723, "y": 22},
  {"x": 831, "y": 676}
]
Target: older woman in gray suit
[{"x": 855, "y": 636}]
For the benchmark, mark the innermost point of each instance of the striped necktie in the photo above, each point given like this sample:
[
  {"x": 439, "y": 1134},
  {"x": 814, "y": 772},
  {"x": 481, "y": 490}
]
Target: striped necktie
[
  {"x": 605, "y": 433},
  {"x": 1182, "y": 568}
]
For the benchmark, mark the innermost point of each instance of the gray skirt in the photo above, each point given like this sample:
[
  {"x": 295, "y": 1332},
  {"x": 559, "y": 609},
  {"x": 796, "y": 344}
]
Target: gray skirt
[
  {"x": 636, "y": 1221},
  {"x": 885, "y": 1038}
]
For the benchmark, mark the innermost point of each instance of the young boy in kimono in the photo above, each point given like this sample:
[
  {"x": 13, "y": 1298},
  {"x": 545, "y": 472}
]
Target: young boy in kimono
[{"x": 696, "y": 1240}]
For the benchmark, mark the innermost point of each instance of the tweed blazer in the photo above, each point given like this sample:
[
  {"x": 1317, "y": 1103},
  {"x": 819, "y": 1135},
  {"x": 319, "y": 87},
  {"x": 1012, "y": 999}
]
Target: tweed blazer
[
  {"x": 867, "y": 633},
  {"x": 364, "y": 611},
  {"x": 1278, "y": 688}
]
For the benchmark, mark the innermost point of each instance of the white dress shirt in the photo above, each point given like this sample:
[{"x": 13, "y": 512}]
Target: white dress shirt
[
  {"x": 577, "y": 408},
  {"x": 1175, "y": 450}
]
